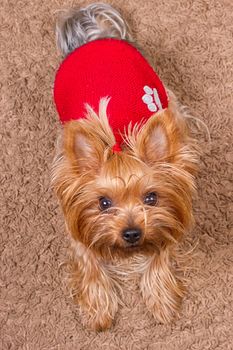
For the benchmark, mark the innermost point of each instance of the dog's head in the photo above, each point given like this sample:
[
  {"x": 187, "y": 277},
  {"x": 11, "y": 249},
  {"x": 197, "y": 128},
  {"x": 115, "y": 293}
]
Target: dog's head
[{"x": 136, "y": 200}]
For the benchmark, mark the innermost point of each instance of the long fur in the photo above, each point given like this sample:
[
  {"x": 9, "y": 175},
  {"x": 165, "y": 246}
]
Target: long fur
[
  {"x": 81, "y": 178},
  {"x": 158, "y": 156}
]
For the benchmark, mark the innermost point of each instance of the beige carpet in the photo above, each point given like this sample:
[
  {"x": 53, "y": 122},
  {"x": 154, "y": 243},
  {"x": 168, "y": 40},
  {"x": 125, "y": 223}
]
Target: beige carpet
[{"x": 190, "y": 42}]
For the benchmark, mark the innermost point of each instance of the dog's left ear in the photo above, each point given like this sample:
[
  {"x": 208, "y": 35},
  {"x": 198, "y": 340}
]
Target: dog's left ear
[
  {"x": 82, "y": 147},
  {"x": 159, "y": 138}
]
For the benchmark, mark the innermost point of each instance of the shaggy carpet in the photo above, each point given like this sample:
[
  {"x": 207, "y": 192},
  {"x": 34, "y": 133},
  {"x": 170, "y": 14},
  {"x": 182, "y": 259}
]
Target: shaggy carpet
[{"x": 190, "y": 44}]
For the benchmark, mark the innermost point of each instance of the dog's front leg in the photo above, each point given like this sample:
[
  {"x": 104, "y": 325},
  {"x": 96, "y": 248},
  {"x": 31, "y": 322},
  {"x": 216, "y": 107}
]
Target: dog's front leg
[
  {"x": 161, "y": 290},
  {"x": 93, "y": 289}
]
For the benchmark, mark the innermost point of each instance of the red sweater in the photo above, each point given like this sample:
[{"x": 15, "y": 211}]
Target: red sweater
[{"x": 108, "y": 68}]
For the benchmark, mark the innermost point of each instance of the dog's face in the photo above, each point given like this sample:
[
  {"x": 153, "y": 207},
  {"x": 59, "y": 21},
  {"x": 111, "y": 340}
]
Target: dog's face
[{"x": 137, "y": 200}]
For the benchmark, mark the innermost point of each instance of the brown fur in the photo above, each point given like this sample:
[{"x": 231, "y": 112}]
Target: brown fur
[{"x": 158, "y": 156}]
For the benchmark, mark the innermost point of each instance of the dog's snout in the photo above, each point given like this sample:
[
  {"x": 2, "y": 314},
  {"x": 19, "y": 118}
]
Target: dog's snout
[{"x": 132, "y": 235}]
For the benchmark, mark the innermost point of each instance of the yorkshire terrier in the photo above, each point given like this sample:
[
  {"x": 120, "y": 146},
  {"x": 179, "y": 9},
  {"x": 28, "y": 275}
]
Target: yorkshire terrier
[{"x": 124, "y": 169}]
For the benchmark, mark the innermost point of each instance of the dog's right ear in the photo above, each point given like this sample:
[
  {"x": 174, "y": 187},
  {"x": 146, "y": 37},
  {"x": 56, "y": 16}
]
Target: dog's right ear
[
  {"x": 82, "y": 147},
  {"x": 158, "y": 139}
]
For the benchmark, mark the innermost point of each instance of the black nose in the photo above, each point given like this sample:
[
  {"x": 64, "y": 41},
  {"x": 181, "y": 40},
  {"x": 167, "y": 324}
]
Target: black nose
[{"x": 132, "y": 235}]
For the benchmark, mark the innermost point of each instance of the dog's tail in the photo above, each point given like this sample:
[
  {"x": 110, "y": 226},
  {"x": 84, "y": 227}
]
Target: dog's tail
[{"x": 76, "y": 27}]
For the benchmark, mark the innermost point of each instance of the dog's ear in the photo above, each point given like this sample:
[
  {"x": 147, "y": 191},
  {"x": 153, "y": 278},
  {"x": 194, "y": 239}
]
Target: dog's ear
[
  {"x": 82, "y": 147},
  {"x": 159, "y": 138}
]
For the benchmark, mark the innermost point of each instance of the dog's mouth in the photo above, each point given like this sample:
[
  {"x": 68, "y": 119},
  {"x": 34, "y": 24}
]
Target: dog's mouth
[
  {"x": 133, "y": 245},
  {"x": 128, "y": 247},
  {"x": 131, "y": 248},
  {"x": 140, "y": 247}
]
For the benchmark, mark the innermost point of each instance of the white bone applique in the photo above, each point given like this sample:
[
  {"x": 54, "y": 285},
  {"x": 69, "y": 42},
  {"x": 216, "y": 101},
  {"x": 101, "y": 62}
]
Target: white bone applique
[{"x": 151, "y": 99}]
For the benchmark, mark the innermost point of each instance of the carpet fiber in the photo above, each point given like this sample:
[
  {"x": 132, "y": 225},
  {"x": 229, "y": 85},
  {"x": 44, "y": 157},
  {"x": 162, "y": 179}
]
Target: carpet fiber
[{"x": 190, "y": 44}]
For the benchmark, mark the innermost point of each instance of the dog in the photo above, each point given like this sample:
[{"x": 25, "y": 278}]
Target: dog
[{"x": 124, "y": 170}]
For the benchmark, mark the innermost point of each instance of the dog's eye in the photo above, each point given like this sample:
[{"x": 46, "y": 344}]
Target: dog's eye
[
  {"x": 105, "y": 203},
  {"x": 151, "y": 198}
]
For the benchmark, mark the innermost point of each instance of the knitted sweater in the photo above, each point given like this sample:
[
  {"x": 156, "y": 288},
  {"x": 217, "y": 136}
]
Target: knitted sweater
[{"x": 109, "y": 68}]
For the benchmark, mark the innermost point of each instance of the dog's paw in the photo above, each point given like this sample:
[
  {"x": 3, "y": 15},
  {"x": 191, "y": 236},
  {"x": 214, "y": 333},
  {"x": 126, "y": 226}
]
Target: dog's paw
[
  {"x": 98, "y": 305},
  {"x": 165, "y": 308},
  {"x": 100, "y": 323},
  {"x": 161, "y": 290},
  {"x": 164, "y": 303}
]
